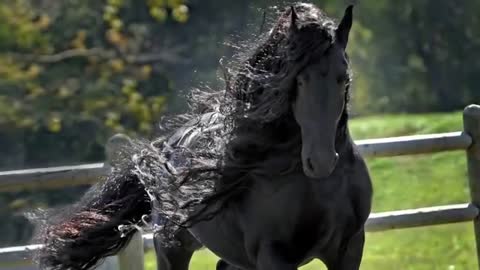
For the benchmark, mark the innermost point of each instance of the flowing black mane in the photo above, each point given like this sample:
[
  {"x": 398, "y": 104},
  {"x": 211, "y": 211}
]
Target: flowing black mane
[{"x": 210, "y": 154}]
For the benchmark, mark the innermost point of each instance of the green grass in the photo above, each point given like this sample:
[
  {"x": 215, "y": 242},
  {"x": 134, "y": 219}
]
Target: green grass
[{"x": 407, "y": 182}]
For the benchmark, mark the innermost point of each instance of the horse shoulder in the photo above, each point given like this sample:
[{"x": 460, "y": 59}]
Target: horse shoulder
[{"x": 361, "y": 189}]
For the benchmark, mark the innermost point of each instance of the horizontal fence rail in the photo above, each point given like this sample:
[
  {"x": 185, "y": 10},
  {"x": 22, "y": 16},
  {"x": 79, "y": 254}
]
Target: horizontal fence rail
[
  {"x": 56, "y": 177},
  {"x": 420, "y": 217},
  {"x": 51, "y": 178},
  {"x": 417, "y": 144},
  {"x": 376, "y": 222},
  {"x": 22, "y": 252}
]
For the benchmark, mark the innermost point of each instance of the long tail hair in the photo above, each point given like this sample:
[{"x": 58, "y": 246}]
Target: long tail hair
[{"x": 80, "y": 236}]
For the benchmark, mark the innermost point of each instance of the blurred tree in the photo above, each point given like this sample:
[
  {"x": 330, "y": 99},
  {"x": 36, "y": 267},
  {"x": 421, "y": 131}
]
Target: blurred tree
[
  {"x": 72, "y": 73},
  {"x": 79, "y": 71},
  {"x": 416, "y": 56}
]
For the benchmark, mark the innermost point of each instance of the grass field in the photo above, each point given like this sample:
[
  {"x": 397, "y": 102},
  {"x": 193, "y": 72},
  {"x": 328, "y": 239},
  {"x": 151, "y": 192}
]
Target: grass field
[{"x": 407, "y": 182}]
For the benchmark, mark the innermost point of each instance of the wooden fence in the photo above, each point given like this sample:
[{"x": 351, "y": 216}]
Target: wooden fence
[{"x": 132, "y": 257}]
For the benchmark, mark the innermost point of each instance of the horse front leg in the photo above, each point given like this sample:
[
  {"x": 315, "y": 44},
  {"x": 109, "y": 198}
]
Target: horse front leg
[
  {"x": 351, "y": 256},
  {"x": 269, "y": 258},
  {"x": 223, "y": 265},
  {"x": 176, "y": 257}
]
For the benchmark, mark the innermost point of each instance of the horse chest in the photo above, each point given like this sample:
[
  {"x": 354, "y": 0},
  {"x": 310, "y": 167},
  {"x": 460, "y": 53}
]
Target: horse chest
[
  {"x": 296, "y": 197},
  {"x": 301, "y": 216}
]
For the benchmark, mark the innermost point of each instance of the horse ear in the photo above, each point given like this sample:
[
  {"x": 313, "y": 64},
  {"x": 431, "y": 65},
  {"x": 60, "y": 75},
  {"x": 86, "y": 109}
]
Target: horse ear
[
  {"x": 293, "y": 19},
  {"x": 343, "y": 28}
]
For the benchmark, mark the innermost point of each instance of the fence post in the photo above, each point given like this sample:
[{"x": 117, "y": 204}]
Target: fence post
[
  {"x": 471, "y": 124},
  {"x": 132, "y": 256},
  {"x": 114, "y": 147}
]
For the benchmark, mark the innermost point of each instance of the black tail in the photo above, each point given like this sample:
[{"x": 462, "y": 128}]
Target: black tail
[{"x": 82, "y": 235}]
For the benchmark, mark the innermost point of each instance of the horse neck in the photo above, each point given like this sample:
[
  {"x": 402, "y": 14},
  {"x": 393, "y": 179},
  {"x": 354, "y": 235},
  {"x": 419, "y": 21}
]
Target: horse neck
[{"x": 344, "y": 144}]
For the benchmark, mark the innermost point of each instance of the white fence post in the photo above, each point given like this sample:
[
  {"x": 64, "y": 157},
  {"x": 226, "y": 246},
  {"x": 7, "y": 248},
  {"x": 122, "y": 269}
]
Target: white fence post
[
  {"x": 132, "y": 256},
  {"x": 110, "y": 263},
  {"x": 471, "y": 123}
]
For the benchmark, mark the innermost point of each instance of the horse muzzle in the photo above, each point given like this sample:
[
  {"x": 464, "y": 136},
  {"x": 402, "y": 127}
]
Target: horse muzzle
[{"x": 319, "y": 167}]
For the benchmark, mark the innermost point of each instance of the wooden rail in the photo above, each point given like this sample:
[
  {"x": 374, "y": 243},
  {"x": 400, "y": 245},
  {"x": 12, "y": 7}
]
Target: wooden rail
[
  {"x": 411, "y": 145},
  {"x": 468, "y": 140},
  {"x": 51, "y": 178},
  {"x": 128, "y": 259},
  {"x": 421, "y": 217},
  {"x": 377, "y": 222},
  {"x": 22, "y": 252},
  {"x": 57, "y": 177}
]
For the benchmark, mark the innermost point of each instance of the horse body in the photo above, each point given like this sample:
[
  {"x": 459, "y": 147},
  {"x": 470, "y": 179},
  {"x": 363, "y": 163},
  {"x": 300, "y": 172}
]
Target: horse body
[{"x": 293, "y": 219}]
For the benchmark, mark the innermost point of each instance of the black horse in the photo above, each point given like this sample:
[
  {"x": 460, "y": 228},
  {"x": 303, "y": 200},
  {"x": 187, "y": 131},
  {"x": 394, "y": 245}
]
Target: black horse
[{"x": 263, "y": 173}]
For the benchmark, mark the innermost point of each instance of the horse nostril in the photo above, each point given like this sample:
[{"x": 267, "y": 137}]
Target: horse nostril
[{"x": 310, "y": 165}]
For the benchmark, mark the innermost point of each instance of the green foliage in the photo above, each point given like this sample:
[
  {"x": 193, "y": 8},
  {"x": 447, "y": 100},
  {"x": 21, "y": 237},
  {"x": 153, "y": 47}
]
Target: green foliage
[
  {"x": 72, "y": 73},
  {"x": 71, "y": 66},
  {"x": 402, "y": 183},
  {"x": 413, "y": 56},
  {"x": 418, "y": 55},
  {"x": 50, "y": 77}
]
